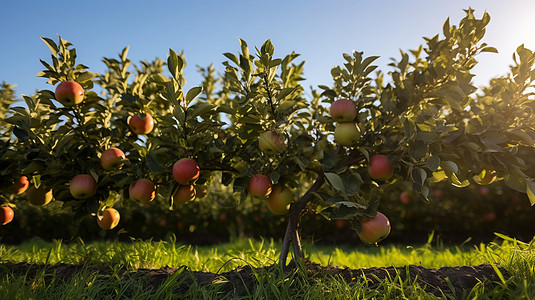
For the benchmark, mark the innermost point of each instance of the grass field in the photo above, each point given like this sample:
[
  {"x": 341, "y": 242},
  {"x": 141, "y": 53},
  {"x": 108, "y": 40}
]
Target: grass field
[{"x": 107, "y": 270}]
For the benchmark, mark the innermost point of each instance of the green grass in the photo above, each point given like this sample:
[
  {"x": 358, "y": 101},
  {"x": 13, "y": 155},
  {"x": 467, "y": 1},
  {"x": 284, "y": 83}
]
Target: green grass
[{"x": 516, "y": 257}]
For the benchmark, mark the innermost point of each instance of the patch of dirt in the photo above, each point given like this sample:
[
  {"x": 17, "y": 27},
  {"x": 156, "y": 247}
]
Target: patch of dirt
[{"x": 242, "y": 281}]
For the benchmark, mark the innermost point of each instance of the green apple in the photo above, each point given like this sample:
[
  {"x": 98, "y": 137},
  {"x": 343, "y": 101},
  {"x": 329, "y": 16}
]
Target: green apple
[
  {"x": 271, "y": 142},
  {"x": 279, "y": 200},
  {"x": 347, "y": 134}
]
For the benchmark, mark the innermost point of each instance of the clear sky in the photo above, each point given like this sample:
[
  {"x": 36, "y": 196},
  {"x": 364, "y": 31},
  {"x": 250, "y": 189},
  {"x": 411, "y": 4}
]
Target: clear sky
[{"x": 319, "y": 30}]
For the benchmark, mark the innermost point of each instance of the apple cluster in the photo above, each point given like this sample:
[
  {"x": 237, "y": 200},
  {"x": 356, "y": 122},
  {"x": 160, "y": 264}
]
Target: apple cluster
[
  {"x": 347, "y": 131},
  {"x": 84, "y": 186},
  {"x": 186, "y": 171},
  {"x": 278, "y": 198}
]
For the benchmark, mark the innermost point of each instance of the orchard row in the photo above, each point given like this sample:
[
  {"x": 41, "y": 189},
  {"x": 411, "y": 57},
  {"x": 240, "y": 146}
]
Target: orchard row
[{"x": 186, "y": 171}]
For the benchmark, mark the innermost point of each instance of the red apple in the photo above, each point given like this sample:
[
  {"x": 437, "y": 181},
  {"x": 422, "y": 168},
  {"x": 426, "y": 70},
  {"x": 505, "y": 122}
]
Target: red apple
[
  {"x": 484, "y": 191},
  {"x": 271, "y": 142},
  {"x": 343, "y": 110},
  {"x": 112, "y": 159},
  {"x": 341, "y": 224},
  {"x": 259, "y": 186},
  {"x": 39, "y": 196},
  {"x": 6, "y": 215},
  {"x": 375, "y": 230},
  {"x": 141, "y": 123},
  {"x": 83, "y": 186},
  {"x": 380, "y": 168},
  {"x": 109, "y": 219},
  {"x": 405, "y": 197},
  {"x": 184, "y": 194},
  {"x": 20, "y": 185},
  {"x": 279, "y": 200},
  {"x": 186, "y": 171},
  {"x": 69, "y": 93},
  {"x": 437, "y": 193},
  {"x": 347, "y": 134},
  {"x": 143, "y": 190},
  {"x": 489, "y": 217}
]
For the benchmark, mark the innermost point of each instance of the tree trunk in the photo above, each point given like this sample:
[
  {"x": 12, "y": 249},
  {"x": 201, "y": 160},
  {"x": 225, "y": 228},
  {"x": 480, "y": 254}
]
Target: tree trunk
[{"x": 291, "y": 235}]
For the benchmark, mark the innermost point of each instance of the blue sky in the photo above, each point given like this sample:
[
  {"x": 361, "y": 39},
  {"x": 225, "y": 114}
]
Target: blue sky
[{"x": 319, "y": 30}]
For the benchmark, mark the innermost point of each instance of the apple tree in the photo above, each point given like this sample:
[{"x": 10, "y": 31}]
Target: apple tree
[{"x": 253, "y": 134}]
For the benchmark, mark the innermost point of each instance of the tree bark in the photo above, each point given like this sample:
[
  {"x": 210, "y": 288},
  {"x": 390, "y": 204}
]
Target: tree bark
[{"x": 291, "y": 235}]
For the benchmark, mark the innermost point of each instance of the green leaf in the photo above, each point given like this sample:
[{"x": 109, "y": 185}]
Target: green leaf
[
  {"x": 192, "y": 93},
  {"x": 153, "y": 163},
  {"x": 516, "y": 182},
  {"x": 530, "y": 190},
  {"x": 85, "y": 76},
  {"x": 179, "y": 114},
  {"x": 336, "y": 181},
  {"x": 232, "y": 57},
  {"x": 417, "y": 149},
  {"x": 419, "y": 176},
  {"x": 425, "y": 136},
  {"x": 201, "y": 109},
  {"x": 351, "y": 183},
  {"x": 366, "y": 62},
  {"x": 48, "y": 66},
  {"x": 226, "y": 109},
  {"x": 286, "y": 104},
  {"x": 244, "y": 48},
  {"x": 449, "y": 166},
  {"x": 21, "y": 134},
  {"x": 446, "y": 28},
  {"x": 244, "y": 65},
  {"x": 284, "y": 92},
  {"x": 51, "y": 45},
  {"x": 456, "y": 182},
  {"x": 410, "y": 127},
  {"x": 526, "y": 138},
  {"x": 489, "y": 49},
  {"x": 124, "y": 53},
  {"x": 267, "y": 48},
  {"x": 433, "y": 162},
  {"x": 174, "y": 64},
  {"x": 344, "y": 210},
  {"x": 159, "y": 78}
]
